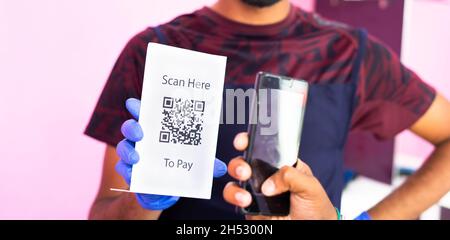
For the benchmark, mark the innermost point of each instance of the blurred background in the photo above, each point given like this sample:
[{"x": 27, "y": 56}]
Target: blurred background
[{"x": 55, "y": 56}]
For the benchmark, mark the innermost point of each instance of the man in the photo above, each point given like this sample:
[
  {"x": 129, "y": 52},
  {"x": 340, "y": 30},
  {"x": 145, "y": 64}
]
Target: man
[{"x": 356, "y": 84}]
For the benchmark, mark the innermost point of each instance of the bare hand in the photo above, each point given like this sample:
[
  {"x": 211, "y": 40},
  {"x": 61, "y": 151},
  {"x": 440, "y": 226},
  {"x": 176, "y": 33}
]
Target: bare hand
[{"x": 309, "y": 200}]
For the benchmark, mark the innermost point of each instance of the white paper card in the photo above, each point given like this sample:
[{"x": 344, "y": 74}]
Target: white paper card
[{"x": 179, "y": 115}]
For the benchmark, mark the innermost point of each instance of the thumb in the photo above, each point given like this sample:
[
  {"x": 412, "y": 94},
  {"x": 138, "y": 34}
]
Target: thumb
[
  {"x": 288, "y": 179},
  {"x": 220, "y": 168}
]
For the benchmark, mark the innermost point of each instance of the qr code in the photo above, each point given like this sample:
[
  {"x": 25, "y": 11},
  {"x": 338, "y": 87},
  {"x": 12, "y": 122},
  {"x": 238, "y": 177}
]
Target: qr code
[{"x": 182, "y": 121}]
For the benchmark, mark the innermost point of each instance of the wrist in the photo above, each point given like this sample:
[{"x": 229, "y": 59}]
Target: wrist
[
  {"x": 333, "y": 213},
  {"x": 338, "y": 214}
]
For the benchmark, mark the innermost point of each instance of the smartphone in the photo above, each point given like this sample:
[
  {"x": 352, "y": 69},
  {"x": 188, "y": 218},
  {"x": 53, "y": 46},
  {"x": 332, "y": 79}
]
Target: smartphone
[{"x": 274, "y": 130}]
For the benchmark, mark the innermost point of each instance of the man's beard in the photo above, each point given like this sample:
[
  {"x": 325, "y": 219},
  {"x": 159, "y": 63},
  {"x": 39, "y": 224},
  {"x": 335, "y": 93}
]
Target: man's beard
[{"x": 260, "y": 3}]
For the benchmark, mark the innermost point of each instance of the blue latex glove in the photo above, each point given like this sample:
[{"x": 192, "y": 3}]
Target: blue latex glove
[
  {"x": 128, "y": 156},
  {"x": 363, "y": 216}
]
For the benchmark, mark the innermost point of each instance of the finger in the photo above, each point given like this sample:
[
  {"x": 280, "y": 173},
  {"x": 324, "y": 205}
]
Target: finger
[
  {"x": 241, "y": 141},
  {"x": 126, "y": 152},
  {"x": 239, "y": 169},
  {"x": 287, "y": 179},
  {"x": 132, "y": 130},
  {"x": 220, "y": 168},
  {"x": 124, "y": 170},
  {"x": 235, "y": 195},
  {"x": 156, "y": 202},
  {"x": 133, "y": 106},
  {"x": 303, "y": 167}
]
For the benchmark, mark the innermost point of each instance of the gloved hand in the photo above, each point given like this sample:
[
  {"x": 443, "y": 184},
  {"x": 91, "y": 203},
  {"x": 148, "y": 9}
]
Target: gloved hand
[{"x": 128, "y": 157}]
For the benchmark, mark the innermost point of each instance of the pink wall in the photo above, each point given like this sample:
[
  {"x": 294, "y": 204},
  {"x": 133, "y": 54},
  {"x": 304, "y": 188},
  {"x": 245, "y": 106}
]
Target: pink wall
[
  {"x": 426, "y": 49},
  {"x": 54, "y": 59}
]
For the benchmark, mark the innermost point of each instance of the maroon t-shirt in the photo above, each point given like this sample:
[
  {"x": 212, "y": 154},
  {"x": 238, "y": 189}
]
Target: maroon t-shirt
[{"x": 360, "y": 83}]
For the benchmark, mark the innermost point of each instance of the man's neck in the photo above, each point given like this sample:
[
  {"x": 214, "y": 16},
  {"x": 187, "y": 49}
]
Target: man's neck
[{"x": 240, "y": 12}]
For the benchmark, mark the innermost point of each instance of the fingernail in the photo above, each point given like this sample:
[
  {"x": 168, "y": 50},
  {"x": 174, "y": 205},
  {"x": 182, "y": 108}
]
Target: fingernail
[
  {"x": 137, "y": 132},
  {"x": 242, "y": 198},
  {"x": 240, "y": 171},
  {"x": 221, "y": 167},
  {"x": 268, "y": 188},
  {"x": 240, "y": 141},
  {"x": 134, "y": 157}
]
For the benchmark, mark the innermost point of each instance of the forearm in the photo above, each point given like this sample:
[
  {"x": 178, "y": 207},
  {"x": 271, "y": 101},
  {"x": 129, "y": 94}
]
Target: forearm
[
  {"x": 423, "y": 189},
  {"x": 122, "y": 207}
]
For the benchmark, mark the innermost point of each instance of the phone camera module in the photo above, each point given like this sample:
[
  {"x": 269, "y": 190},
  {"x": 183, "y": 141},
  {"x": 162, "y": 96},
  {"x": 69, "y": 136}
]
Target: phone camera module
[{"x": 272, "y": 82}]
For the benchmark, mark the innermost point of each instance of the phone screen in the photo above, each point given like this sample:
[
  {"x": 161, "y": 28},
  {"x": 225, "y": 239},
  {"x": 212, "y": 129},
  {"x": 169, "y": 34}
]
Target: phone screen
[
  {"x": 276, "y": 143},
  {"x": 278, "y": 108}
]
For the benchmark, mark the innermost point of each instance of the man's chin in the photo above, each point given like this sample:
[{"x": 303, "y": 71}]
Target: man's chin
[{"x": 260, "y": 3}]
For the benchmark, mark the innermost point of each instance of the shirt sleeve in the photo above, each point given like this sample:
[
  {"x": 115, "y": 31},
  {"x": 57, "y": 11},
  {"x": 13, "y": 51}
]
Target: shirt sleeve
[
  {"x": 125, "y": 81},
  {"x": 390, "y": 97}
]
